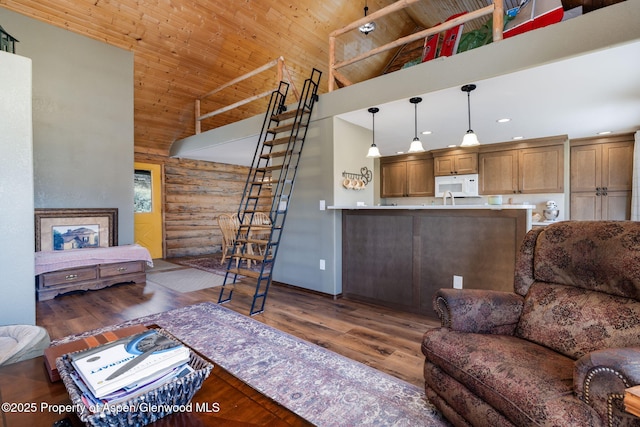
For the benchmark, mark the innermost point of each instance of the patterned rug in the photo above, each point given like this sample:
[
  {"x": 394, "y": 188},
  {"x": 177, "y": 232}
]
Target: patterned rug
[
  {"x": 209, "y": 263},
  {"x": 323, "y": 387},
  {"x": 185, "y": 279}
]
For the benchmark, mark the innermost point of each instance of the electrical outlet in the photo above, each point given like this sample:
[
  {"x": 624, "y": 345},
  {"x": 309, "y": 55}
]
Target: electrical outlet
[
  {"x": 323, "y": 205},
  {"x": 322, "y": 264},
  {"x": 457, "y": 282}
]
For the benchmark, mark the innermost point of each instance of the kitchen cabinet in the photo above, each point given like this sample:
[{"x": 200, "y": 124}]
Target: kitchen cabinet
[
  {"x": 393, "y": 179},
  {"x": 498, "y": 172},
  {"x": 594, "y": 206},
  {"x": 407, "y": 176},
  {"x": 455, "y": 162},
  {"x": 601, "y": 177},
  {"x": 531, "y": 167}
]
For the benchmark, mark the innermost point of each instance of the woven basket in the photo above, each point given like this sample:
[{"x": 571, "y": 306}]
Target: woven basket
[{"x": 143, "y": 409}]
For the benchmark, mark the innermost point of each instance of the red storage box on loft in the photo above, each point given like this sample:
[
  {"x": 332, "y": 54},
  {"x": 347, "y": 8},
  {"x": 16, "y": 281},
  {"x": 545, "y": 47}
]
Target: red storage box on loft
[{"x": 534, "y": 14}]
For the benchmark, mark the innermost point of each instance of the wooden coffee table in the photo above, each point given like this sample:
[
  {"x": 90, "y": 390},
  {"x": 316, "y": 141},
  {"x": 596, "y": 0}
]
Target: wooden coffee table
[{"x": 30, "y": 399}]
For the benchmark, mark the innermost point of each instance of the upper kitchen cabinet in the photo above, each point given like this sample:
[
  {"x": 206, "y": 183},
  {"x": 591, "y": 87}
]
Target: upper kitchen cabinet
[
  {"x": 601, "y": 177},
  {"x": 407, "y": 176},
  {"x": 498, "y": 172},
  {"x": 455, "y": 162},
  {"x": 527, "y": 167}
]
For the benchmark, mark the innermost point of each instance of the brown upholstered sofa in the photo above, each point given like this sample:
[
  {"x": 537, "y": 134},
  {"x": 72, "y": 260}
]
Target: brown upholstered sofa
[{"x": 559, "y": 350}]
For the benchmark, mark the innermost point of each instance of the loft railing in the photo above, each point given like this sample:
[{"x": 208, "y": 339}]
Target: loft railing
[
  {"x": 280, "y": 69},
  {"x": 496, "y": 8}
]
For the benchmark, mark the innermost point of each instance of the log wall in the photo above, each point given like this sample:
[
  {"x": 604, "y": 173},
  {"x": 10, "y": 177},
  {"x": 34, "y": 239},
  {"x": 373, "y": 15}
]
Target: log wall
[{"x": 194, "y": 194}]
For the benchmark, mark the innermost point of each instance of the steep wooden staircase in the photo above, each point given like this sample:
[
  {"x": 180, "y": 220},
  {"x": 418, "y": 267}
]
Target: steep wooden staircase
[{"x": 268, "y": 190}]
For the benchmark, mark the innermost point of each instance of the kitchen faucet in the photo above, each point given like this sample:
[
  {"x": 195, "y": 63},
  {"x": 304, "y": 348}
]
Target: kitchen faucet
[{"x": 444, "y": 198}]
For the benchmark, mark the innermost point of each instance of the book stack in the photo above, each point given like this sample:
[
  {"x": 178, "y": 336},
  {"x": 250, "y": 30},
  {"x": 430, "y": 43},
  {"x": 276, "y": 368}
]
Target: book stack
[
  {"x": 120, "y": 370},
  {"x": 632, "y": 400}
]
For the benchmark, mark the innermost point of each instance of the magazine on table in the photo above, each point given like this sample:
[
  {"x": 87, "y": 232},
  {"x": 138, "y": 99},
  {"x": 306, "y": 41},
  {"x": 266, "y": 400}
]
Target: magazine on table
[
  {"x": 137, "y": 360},
  {"x": 124, "y": 394}
]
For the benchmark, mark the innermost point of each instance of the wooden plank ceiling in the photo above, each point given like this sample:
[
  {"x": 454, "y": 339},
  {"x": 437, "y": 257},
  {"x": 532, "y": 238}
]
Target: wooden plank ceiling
[{"x": 183, "y": 49}]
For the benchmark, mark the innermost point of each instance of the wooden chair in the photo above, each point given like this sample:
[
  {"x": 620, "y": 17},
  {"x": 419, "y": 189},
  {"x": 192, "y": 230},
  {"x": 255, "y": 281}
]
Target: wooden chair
[
  {"x": 229, "y": 225},
  {"x": 261, "y": 220}
]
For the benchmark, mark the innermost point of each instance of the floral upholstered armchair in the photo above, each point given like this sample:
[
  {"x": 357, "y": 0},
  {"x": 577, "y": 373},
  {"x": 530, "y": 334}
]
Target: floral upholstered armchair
[{"x": 558, "y": 351}]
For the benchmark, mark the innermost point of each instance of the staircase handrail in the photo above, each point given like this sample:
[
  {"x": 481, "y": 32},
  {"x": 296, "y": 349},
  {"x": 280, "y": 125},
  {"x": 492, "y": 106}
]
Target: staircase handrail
[{"x": 280, "y": 65}]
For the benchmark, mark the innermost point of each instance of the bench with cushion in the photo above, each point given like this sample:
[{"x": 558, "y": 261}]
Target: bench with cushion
[{"x": 59, "y": 272}]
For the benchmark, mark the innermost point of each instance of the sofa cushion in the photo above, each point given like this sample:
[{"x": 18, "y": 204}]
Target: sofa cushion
[
  {"x": 529, "y": 384},
  {"x": 440, "y": 389},
  {"x": 575, "y": 321},
  {"x": 602, "y": 256}
]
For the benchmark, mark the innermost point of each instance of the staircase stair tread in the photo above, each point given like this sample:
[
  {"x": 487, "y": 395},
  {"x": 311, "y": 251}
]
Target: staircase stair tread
[
  {"x": 245, "y": 272},
  {"x": 275, "y": 154},
  {"x": 288, "y": 115},
  {"x": 255, "y": 241},
  {"x": 270, "y": 168},
  {"x": 278, "y": 141},
  {"x": 283, "y": 128},
  {"x": 257, "y": 257}
]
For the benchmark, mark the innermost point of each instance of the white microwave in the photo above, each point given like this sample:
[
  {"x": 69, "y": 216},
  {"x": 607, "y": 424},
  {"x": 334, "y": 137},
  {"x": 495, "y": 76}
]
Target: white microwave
[{"x": 458, "y": 185}]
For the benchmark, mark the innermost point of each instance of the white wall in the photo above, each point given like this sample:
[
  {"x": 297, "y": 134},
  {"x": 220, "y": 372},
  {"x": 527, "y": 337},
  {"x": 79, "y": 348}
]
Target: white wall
[
  {"x": 17, "y": 305},
  {"x": 351, "y": 144},
  {"x": 82, "y": 119},
  {"x": 312, "y": 234}
]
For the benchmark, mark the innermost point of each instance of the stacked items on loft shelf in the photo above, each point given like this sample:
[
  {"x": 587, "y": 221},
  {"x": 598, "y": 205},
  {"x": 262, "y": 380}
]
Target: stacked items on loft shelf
[{"x": 126, "y": 379}]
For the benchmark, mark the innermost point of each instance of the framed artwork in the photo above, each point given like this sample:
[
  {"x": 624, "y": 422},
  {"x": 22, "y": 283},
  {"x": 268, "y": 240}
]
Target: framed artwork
[{"x": 64, "y": 229}]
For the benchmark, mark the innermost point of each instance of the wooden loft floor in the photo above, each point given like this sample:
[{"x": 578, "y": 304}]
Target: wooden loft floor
[{"x": 381, "y": 338}]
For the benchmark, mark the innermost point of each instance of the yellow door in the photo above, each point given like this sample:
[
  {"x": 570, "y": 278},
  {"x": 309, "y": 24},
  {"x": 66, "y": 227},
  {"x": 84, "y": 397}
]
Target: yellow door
[{"x": 147, "y": 208}]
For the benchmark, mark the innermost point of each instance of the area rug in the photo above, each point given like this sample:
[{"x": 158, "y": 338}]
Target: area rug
[
  {"x": 162, "y": 265},
  {"x": 321, "y": 386},
  {"x": 185, "y": 279},
  {"x": 210, "y": 263}
]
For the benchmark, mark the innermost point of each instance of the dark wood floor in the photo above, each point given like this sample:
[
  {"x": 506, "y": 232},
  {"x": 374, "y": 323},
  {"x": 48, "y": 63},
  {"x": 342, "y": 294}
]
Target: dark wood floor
[{"x": 384, "y": 339}]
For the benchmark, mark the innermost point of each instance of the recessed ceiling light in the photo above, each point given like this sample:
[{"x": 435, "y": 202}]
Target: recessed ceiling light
[
  {"x": 606, "y": 132},
  {"x": 505, "y": 120},
  {"x": 518, "y": 137},
  {"x": 426, "y": 132}
]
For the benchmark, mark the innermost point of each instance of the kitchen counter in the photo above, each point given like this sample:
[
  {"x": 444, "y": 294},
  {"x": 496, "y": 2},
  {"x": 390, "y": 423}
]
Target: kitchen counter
[
  {"x": 457, "y": 207},
  {"x": 399, "y": 256}
]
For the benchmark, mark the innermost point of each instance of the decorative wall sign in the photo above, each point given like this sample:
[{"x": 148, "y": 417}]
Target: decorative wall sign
[{"x": 357, "y": 181}]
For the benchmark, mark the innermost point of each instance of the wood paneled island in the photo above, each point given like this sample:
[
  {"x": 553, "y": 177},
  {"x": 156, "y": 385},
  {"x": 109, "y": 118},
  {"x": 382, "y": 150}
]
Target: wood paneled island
[{"x": 398, "y": 256}]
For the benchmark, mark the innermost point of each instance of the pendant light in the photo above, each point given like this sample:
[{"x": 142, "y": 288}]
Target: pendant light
[
  {"x": 369, "y": 26},
  {"x": 470, "y": 139},
  {"x": 416, "y": 145},
  {"x": 373, "y": 150}
]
